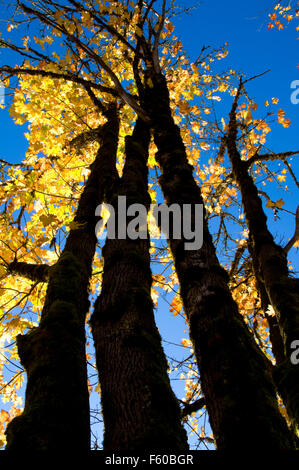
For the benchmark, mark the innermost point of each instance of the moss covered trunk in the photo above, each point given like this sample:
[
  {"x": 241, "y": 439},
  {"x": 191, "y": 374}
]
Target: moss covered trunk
[
  {"x": 56, "y": 413},
  {"x": 139, "y": 408},
  {"x": 271, "y": 270},
  {"x": 240, "y": 395}
]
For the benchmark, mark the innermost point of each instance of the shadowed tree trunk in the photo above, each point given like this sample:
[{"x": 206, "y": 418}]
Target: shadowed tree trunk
[
  {"x": 274, "y": 330},
  {"x": 56, "y": 413},
  {"x": 271, "y": 269},
  {"x": 139, "y": 408},
  {"x": 238, "y": 387}
]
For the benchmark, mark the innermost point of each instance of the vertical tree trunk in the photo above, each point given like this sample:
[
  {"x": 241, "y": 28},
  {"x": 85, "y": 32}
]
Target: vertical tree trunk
[
  {"x": 139, "y": 408},
  {"x": 272, "y": 272},
  {"x": 238, "y": 388},
  {"x": 274, "y": 330},
  {"x": 56, "y": 413}
]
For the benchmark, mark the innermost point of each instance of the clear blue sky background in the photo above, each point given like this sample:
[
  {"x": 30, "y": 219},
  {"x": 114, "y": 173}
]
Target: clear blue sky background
[{"x": 253, "y": 49}]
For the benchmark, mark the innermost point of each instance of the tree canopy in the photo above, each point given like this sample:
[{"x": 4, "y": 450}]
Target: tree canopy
[{"x": 115, "y": 106}]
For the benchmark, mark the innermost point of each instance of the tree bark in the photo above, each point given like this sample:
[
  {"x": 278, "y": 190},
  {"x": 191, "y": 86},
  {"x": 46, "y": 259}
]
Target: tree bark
[
  {"x": 56, "y": 413},
  {"x": 272, "y": 272},
  {"x": 274, "y": 330},
  {"x": 34, "y": 272},
  {"x": 238, "y": 388},
  {"x": 139, "y": 408}
]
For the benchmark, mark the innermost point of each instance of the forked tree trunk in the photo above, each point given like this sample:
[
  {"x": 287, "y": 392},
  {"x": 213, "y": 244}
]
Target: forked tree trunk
[
  {"x": 240, "y": 395},
  {"x": 56, "y": 413},
  {"x": 272, "y": 272},
  {"x": 140, "y": 411}
]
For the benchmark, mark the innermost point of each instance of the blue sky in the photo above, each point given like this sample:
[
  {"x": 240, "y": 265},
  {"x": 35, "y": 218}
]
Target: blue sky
[{"x": 253, "y": 49}]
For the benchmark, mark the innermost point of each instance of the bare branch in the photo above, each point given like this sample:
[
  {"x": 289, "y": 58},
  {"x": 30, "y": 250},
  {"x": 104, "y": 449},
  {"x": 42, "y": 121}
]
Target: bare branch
[
  {"x": 63, "y": 76},
  {"x": 157, "y": 39},
  {"x": 269, "y": 156},
  {"x": 192, "y": 407},
  {"x": 291, "y": 172}
]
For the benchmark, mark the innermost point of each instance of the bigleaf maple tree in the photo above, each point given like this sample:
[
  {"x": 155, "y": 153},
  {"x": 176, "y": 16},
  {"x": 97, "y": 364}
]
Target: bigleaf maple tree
[{"x": 89, "y": 71}]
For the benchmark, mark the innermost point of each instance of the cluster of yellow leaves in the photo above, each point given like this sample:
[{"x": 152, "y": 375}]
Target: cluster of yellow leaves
[
  {"x": 282, "y": 119},
  {"x": 192, "y": 387},
  {"x": 257, "y": 129},
  {"x": 274, "y": 101},
  {"x": 285, "y": 13},
  {"x": 176, "y": 306},
  {"x": 246, "y": 295},
  {"x": 43, "y": 41},
  {"x": 5, "y": 418},
  {"x": 162, "y": 282},
  {"x": 272, "y": 204},
  {"x": 198, "y": 427}
]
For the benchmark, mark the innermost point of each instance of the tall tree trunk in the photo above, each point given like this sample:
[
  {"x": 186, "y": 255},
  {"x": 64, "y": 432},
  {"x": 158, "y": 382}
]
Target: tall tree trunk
[
  {"x": 274, "y": 330},
  {"x": 56, "y": 413},
  {"x": 139, "y": 408},
  {"x": 271, "y": 271},
  {"x": 240, "y": 395}
]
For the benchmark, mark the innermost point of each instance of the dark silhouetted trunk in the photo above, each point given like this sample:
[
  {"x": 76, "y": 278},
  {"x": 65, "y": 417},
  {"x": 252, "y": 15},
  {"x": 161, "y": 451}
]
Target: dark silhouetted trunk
[
  {"x": 271, "y": 269},
  {"x": 274, "y": 330},
  {"x": 56, "y": 413},
  {"x": 238, "y": 388},
  {"x": 140, "y": 411}
]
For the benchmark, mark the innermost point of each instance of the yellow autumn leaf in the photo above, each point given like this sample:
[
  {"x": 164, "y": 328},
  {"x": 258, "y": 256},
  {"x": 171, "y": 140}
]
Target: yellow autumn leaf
[
  {"x": 183, "y": 107},
  {"x": 169, "y": 27},
  {"x": 286, "y": 122},
  {"x": 76, "y": 225},
  {"x": 47, "y": 219},
  {"x": 279, "y": 203},
  {"x": 270, "y": 204},
  {"x": 3, "y": 271},
  {"x": 4, "y": 416},
  {"x": 150, "y": 83},
  {"x": 265, "y": 323},
  {"x": 68, "y": 57},
  {"x": 281, "y": 178},
  {"x": 86, "y": 18},
  {"x": 138, "y": 31}
]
